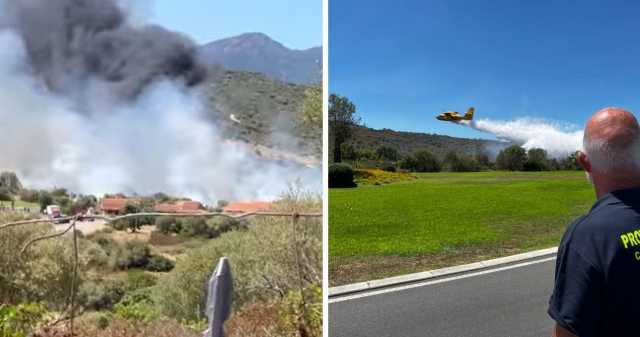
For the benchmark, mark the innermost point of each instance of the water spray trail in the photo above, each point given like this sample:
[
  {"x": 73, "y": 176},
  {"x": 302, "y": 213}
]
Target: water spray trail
[{"x": 559, "y": 141}]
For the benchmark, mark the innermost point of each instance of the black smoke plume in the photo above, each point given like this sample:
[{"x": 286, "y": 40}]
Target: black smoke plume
[{"x": 71, "y": 43}]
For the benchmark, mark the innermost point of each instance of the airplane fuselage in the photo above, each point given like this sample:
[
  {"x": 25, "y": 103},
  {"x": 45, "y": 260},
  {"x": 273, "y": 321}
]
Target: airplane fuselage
[{"x": 453, "y": 116}]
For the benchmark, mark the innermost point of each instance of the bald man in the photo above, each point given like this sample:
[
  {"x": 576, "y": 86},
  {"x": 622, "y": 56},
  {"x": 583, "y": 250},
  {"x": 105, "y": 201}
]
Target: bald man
[{"x": 597, "y": 280}]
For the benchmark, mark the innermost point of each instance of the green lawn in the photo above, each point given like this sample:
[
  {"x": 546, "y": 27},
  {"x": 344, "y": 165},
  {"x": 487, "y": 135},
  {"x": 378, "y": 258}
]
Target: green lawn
[
  {"x": 21, "y": 204},
  {"x": 446, "y": 218}
]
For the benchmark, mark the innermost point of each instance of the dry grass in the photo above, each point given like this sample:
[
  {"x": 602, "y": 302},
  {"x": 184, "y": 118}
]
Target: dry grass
[
  {"x": 144, "y": 234},
  {"x": 120, "y": 328},
  {"x": 160, "y": 239},
  {"x": 254, "y": 320}
]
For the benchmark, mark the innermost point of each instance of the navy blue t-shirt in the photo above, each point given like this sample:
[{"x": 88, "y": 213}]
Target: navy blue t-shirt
[{"x": 597, "y": 281}]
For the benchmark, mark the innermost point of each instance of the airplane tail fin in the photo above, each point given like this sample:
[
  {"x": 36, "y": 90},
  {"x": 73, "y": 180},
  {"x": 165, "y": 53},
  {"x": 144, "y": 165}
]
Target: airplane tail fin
[{"x": 469, "y": 115}]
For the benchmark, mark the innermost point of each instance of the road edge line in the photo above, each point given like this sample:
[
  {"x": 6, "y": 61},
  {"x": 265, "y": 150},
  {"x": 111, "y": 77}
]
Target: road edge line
[{"x": 393, "y": 281}]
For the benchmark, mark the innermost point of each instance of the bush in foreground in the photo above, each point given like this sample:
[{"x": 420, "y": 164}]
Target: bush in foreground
[
  {"x": 341, "y": 175},
  {"x": 267, "y": 273},
  {"x": 159, "y": 264},
  {"x": 100, "y": 295},
  {"x": 167, "y": 224},
  {"x": 42, "y": 273}
]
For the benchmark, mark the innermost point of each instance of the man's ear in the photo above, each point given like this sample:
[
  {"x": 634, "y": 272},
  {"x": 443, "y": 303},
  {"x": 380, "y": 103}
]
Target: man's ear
[{"x": 583, "y": 161}]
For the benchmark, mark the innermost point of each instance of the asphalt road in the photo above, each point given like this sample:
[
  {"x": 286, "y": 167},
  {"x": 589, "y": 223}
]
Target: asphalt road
[{"x": 507, "y": 303}]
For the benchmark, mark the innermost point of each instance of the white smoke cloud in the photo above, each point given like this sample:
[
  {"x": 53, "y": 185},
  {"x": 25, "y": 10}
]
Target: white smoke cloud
[
  {"x": 160, "y": 141},
  {"x": 558, "y": 140}
]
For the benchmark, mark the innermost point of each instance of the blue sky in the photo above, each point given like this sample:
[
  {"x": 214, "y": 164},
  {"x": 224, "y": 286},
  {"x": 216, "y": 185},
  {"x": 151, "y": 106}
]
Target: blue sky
[
  {"x": 402, "y": 62},
  {"x": 295, "y": 23}
]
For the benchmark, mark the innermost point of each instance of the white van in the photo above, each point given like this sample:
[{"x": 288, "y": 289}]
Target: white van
[{"x": 53, "y": 211}]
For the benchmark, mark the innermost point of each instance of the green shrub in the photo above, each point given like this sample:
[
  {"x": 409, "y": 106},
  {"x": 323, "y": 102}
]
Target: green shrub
[
  {"x": 421, "y": 161},
  {"x": 340, "y": 176},
  {"x": 134, "y": 254},
  {"x": 120, "y": 225},
  {"x": 42, "y": 273},
  {"x": 220, "y": 225},
  {"x": 142, "y": 295},
  {"x": 103, "y": 240},
  {"x": 95, "y": 254},
  {"x": 134, "y": 224},
  {"x": 100, "y": 295},
  {"x": 197, "y": 226},
  {"x": 302, "y": 310},
  {"x": 167, "y": 224},
  {"x": 390, "y": 168},
  {"x": 512, "y": 158},
  {"x": 5, "y": 194},
  {"x": 103, "y": 322},
  {"x": 535, "y": 166},
  {"x": 259, "y": 274},
  {"x": 387, "y": 153},
  {"x": 136, "y": 312},
  {"x": 454, "y": 162},
  {"x": 537, "y": 160},
  {"x": 137, "y": 279},
  {"x": 20, "y": 320},
  {"x": 137, "y": 306},
  {"x": 159, "y": 264},
  {"x": 44, "y": 199}
]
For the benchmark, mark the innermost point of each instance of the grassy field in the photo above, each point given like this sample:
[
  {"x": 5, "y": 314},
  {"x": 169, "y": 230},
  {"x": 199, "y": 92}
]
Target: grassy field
[
  {"x": 441, "y": 219},
  {"x": 21, "y": 204}
]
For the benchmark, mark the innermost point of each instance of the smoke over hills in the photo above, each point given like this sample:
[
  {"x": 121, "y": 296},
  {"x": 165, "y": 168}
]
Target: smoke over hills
[
  {"x": 94, "y": 104},
  {"x": 71, "y": 43}
]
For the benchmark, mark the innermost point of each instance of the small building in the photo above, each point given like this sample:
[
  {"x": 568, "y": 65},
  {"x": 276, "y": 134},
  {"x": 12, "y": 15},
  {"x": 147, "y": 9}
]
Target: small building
[
  {"x": 247, "y": 207},
  {"x": 114, "y": 206},
  {"x": 179, "y": 207}
]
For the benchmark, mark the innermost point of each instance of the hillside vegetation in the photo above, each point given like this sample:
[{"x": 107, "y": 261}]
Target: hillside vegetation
[
  {"x": 409, "y": 142},
  {"x": 136, "y": 284},
  {"x": 267, "y": 112}
]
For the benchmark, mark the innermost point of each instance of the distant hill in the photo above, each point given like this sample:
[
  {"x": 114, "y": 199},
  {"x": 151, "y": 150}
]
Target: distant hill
[
  {"x": 257, "y": 52},
  {"x": 409, "y": 142},
  {"x": 10, "y": 181},
  {"x": 262, "y": 112}
]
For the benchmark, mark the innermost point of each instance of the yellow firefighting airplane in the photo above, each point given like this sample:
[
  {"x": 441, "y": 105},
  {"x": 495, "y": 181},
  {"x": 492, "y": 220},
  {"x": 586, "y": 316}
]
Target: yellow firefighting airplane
[{"x": 452, "y": 116}]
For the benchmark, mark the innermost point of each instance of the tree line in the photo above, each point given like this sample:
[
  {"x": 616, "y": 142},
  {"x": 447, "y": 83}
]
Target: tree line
[{"x": 343, "y": 119}]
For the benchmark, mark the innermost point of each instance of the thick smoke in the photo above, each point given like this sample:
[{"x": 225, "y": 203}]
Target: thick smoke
[
  {"x": 559, "y": 141},
  {"x": 72, "y": 43},
  {"x": 118, "y": 118}
]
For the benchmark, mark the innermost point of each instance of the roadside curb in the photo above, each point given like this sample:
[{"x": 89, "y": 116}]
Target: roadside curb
[{"x": 349, "y": 289}]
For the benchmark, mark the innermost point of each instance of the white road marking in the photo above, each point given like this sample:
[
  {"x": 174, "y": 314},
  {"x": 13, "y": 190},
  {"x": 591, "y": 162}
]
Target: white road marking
[{"x": 428, "y": 283}]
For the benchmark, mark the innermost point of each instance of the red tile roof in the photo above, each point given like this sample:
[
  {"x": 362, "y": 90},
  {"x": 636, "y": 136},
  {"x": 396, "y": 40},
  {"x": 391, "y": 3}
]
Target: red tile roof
[
  {"x": 247, "y": 207},
  {"x": 166, "y": 208},
  {"x": 179, "y": 207},
  {"x": 113, "y": 204}
]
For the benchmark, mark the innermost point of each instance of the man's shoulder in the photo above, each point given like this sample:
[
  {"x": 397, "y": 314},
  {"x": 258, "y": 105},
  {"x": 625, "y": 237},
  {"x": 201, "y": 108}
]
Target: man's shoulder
[
  {"x": 601, "y": 228},
  {"x": 606, "y": 216}
]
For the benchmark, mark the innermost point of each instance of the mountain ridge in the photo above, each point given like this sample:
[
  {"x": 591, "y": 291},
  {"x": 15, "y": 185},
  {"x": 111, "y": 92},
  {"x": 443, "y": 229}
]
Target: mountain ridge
[{"x": 257, "y": 52}]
